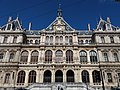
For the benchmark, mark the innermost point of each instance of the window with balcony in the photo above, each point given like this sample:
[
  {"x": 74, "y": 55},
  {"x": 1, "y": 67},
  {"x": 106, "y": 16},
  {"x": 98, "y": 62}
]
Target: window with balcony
[
  {"x": 83, "y": 57},
  {"x": 11, "y": 57},
  {"x": 96, "y": 76},
  {"x": 59, "y": 55},
  {"x": 115, "y": 57},
  {"x": 48, "y": 56},
  {"x": 106, "y": 57},
  {"x": 21, "y": 77},
  {"x": 69, "y": 56},
  {"x": 32, "y": 77},
  {"x": 34, "y": 57},
  {"x": 109, "y": 76},
  {"x": 24, "y": 57},
  {"x": 7, "y": 78},
  {"x": 85, "y": 76},
  {"x": 93, "y": 57}
]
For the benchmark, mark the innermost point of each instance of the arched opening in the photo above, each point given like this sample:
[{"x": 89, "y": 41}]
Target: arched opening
[
  {"x": 24, "y": 57},
  {"x": 34, "y": 57},
  {"x": 93, "y": 57},
  {"x": 21, "y": 77},
  {"x": 85, "y": 76},
  {"x": 48, "y": 56},
  {"x": 96, "y": 76},
  {"x": 59, "y": 55},
  {"x": 47, "y": 76},
  {"x": 11, "y": 57},
  {"x": 69, "y": 56},
  {"x": 83, "y": 57},
  {"x": 59, "y": 76},
  {"x": 32, "y": 77},
  {"x": 70, "y": 76}
]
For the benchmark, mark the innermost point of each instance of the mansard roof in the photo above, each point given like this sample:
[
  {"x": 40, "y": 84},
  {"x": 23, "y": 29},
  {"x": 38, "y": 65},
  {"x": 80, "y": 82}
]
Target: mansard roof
[
  {"x": 106, "y": 25},
  {"x": 12, "y": 25}
]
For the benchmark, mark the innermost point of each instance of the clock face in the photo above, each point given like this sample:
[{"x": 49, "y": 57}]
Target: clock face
[{"x": 59, "y": 27}]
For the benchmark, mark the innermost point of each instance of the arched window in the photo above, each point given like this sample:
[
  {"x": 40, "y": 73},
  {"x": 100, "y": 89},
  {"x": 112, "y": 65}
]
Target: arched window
[
  {"x": 24, "y": 57},
  {"x": 93, "y": 57},
  {"x": 36, "y": 42},
  {"x": 1, "y": 56},
  {"x": 32, "y": 77},
  {"x": 115, "y": 57},
  {"x": 61, "y": 40},
  {"x": 34, "y": 57},
  {"x": 21, "y": 77},
  {"x": 47, "y": 76},
  {"x": 96, "y": 76},
  {"x": 69, "y": 56},
  {"x": 51, "y": 39},
  {"x": 58, "y": 76},
  {"x": 85, "y": 76},
  {"x": 31, "y": 41},
  {"x": 70, "y": 40},
  {"x": 70, "y": 76},
  {"x": 59, "y": 55},
  {"x": 56, "y": 40},
  {"x": 47, "y": 39},
  {"x": 105, "y": 57},
  {"x": 86, "y": 41},
  {"x": 11, "y": 57},
  {"x": 48, "y": 56},
  {"x": 83, "y": 57},
  {"x": 66, "y": 40},
  {"x": 7, "y": 78}
]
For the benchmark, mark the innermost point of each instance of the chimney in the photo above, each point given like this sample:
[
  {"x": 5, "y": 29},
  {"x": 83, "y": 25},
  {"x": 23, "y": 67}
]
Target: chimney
[
  {"x": 108, "y": 20},
  {"x": 88, "y": 27},
  {"x": 30, "y": 25}
]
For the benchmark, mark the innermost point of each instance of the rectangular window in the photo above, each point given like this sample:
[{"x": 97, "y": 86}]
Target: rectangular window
[
  {"x": 5, "y": 39},
  {"x": 102, "y": 39},
  {"x": 15, "y": 40},
  {"x": 112, "y": 39},
  {"x": 109, "y": 76}
]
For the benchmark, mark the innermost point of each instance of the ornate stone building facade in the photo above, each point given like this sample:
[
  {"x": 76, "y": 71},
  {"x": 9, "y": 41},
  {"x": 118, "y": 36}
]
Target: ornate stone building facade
[{"x": 59, "y": 57}]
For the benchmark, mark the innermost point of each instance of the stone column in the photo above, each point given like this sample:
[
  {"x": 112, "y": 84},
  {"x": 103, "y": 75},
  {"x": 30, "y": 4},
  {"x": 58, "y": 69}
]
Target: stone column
[
  {"x": 76, "y": 76},
  {"x": 100, "y": 57},
  {"x": 88, "y": 57},
  {"x": 64, "y": 75},
  {"x": 29, "y": 57},
  {"x": 26, "y": 77},
  {"x": 38, "y": 76},
  {"x": 39, "y": 57},
  {"x": 17, "y": 56},
  {"x": 90, "y": 77},
  {"x": 53, "y": 76},
  {"x": 41, "y": 76},
  {"x": 53, "y": 57},
  {"x": 110, "y": 56},
  {"x": 6, "y": 59},
  {"x": 80, "y": 76},
  {"x": 64, "y": 56}
]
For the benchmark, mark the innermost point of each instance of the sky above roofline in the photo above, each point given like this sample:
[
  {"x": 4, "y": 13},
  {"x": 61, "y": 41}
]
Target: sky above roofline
[{"x": 78, "y": 13}]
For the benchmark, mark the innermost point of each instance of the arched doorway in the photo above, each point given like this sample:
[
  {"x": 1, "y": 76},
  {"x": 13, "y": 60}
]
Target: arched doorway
[
  {"x": 47, "y": 76},
  {"x": 70, "y": 76},
  {"x": 59, "y": 76}
]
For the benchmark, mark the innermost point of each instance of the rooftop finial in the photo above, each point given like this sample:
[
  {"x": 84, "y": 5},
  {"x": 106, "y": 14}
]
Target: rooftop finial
[{"x": 59, "y": 11}]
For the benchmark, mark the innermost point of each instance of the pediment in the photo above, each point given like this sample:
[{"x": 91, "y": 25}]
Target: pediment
[{"x": 59, "y": 24}]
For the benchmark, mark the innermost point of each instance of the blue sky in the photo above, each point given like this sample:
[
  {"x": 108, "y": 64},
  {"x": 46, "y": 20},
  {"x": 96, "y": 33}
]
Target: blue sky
[{"x": 78, "y": 13}]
